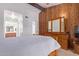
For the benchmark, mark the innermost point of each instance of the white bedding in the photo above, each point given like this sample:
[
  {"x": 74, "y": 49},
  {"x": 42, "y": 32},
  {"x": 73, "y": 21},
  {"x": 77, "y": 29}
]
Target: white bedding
[{"x": 28, "y": 46}]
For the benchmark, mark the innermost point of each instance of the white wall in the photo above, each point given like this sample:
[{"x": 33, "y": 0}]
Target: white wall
[{"x": 25, "y": 10}]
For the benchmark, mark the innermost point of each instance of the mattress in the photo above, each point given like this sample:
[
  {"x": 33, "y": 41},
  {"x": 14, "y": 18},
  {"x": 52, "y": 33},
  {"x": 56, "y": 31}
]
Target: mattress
[{"x": 34, "y": 45}]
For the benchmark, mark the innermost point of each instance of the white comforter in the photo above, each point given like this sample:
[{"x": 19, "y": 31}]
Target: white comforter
[{"x": 28, "y": 46}]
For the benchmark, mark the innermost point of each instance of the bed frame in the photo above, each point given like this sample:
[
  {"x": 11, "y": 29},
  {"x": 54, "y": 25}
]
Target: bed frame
[{"x": 54, "y": 53}]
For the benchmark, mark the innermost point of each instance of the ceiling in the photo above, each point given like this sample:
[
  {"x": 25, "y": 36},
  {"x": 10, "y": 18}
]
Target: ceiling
[{"x": 46, "y": 5}]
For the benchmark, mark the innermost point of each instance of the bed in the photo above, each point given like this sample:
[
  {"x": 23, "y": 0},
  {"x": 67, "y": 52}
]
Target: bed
[{"x": 34, "y": 45}]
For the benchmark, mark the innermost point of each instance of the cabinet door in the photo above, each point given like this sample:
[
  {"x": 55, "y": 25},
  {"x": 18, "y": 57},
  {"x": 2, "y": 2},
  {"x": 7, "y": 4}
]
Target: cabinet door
[
  {"x": 63, "y": 41},
  {"x": 65, "y": 44},
  {"x": 60, "y": 40}
]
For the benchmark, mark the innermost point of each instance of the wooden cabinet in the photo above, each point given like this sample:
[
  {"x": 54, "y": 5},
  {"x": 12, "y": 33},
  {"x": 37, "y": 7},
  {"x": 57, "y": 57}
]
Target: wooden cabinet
[
  {"x": 75, "y": 44},
  {"x": 62, "y": 38},
  {"x": 10, "y": 34},
  {"x": 76, "y": 48}
]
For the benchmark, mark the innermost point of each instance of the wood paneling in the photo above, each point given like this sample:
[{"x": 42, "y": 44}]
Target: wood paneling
[
  {"x": 42, "y": 23},
  {"x": 69, "y": 10}
]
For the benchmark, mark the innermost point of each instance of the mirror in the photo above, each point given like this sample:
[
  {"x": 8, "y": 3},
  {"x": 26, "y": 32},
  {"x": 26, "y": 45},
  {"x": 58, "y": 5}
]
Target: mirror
[
  {"x": 56, "y": 25},
  {"x": 62, "y": 25},
  {"x": 49, "y": 26}
]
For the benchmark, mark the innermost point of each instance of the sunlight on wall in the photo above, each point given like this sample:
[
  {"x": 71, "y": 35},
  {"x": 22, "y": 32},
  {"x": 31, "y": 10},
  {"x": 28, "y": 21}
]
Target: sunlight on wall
[{"x": 33, "y": 28}]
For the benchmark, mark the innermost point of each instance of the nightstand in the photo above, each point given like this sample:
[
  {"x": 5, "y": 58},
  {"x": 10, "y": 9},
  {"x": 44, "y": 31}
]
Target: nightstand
[{"x": 76, "y": 46}]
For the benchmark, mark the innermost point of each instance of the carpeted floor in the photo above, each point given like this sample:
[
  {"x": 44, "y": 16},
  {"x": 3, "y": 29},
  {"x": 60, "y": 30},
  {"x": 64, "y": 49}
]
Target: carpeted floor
[{"x": 62, "y": 52}]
